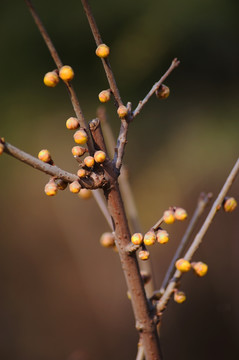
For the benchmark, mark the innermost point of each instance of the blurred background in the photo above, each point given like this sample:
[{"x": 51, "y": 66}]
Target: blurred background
[{"x": 63, "y": 296}]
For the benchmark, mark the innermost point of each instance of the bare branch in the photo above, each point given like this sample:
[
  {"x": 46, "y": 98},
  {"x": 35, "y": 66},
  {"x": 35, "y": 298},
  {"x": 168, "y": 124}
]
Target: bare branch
[
  {"x": 141, "y": 104},
  {"x": 198, "y": 238}
]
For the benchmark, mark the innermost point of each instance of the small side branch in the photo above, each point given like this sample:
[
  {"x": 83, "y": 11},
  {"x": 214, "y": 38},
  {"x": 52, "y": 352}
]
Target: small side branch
[
  {"x": 198, "y": 239},
  {"x": 203, "y": 201},
  {"x": 156, "y": 86},
  {"x": 105, "y": 61},
  {"x": 89, "y": 183}
]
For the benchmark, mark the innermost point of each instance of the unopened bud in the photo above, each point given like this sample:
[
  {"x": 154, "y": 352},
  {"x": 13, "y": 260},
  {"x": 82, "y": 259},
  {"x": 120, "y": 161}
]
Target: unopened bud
[
  {"x": 183, "y": 265},
  {"x": 200, "y": 268},
  {"x": 99, "y": 156},
  {"x": 229, "y": 204},
  {"x": 51, "y": 79},
  {"x": 180, "y": 214},
  {"x": 80, "y": 137},
  {"x": 149, "y": 238},
  {"x": 72, "y": 123},
  {"x": 66, "y": 73},
  {"x": 137, "y": 238},
  {"x": 51, "y": 188},
  {"x": 122, "y": 111},
  {"x": 162, "y": 92},
  {"x": 74, "y": 187},
  {"x": 143, "y": 254},
  {"x": 104, "y": 96},
  {"x": 168, "y": 217},
  {"x": 162, "y": 236},
  {"x": 85, "y": 194},
  {"x": 102, "y": 51},
  {"x": 78, "y": 150},
  {"x": 179, "y": 297},
  {"x": 107, "y": 240}
]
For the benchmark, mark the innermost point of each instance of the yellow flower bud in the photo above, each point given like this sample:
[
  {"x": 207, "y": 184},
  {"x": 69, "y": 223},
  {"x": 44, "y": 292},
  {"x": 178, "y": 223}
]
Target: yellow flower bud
[
  {"x": 107, "y": 240},
  {"x": 99, "y": 156},
  {"x": 179, "y": 297},
  {"x": 180, "y": 214},
  {"x": 1, "y": 148},
  {"x": 122, "y": 111},
  {"x": 66, "y": 73},
  {"x": 80, "y": 137},
  {"x": 85, "y": 194},
  {"x": 72, "y": 123},
  {"x": 162, "y": 236},
  {"x": 78, "y": 150},
  {"x": 183, "y": 265},
  {"x": 229, "y": 204},
  {"x": 74, "y": 187},
  {"x": 102, "y": 51},
  {"x": 104, "y": 96},
  {"x": 89, "y": 161},
  {"x": 50, "y": 188},
  {"x": 137, "y": 238},
  {"x": 149, "y": 238},
  {"x": 162, "y": 92},
  {"x": 168, "y": 217},
  {"x": 51, "y": 79},
  {"x": 143, "y": 254},
  {"x": 81, "y": 173},
  {"x": 200, "y": 268},
  {"x": 44, "y": 155}
]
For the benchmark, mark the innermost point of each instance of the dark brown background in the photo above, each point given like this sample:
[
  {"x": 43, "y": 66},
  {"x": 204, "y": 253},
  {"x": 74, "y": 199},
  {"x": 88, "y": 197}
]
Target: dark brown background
[{"x": 63, "y": 297}]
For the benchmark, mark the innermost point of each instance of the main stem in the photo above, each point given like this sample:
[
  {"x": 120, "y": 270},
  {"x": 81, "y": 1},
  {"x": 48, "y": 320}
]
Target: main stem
[{"x": 145, "y": 323}]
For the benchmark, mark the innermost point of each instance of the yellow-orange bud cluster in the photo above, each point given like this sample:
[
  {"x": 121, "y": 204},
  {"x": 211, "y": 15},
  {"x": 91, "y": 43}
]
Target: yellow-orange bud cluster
[
  {"x": 66, "y": 73},
  {"x": 102, "y": 51},
  {"x": 104, "y": 96},
  {"x": 44, "y": 155},
  {"x": 107, "y": 240},
  {"x": 183, "y": 265},
  {"x": 99, "y": 156},
  {"x": 51, "y": 79},
  {"x": 137, "y": 239},
  {"x": 80, "y": 137},
  {"x": 200, "y": 268}
]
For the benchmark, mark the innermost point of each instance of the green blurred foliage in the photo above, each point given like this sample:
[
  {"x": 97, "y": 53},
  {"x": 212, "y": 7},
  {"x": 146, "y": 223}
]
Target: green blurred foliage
[{"x": 63, "y": 296}]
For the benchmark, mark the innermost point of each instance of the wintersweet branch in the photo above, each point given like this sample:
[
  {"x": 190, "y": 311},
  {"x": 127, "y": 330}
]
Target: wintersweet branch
[
  {"x": 202, "y": 203},
  {"x": 105, "y": 61},
  {"x": 59, "y": 64},
  {"x": 94, "y": 182},
  {"x": 141, "y": 104},
  {"x": 161, "y": 304}
]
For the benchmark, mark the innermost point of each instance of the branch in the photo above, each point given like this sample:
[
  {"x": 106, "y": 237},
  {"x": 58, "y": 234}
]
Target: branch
[
  {"x": 59, "y": 64},
  {"x": 203, "y": 201},
  {"x": 105, "y": 61},
  {"x": 198, "y": 238},
  {"x": 94, "y": 182},
  {"x": 141, "y": 104}
]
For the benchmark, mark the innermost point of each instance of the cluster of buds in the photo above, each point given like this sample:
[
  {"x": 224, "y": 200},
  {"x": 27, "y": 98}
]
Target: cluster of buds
[
  {"x": 199, "y": 267},
  {"x": 174, "y": 213},
  {"x": 52, "y": 78}
]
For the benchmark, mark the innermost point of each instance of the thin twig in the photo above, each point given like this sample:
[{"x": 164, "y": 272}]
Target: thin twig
[
  {"x": 59, "y": 64},
  {"x": 94, "y": 182},
  {"x": 198, "y": 238},
  {"x": 105, "y": 61},
  {"x": 174, "y": 64},
  {"x": 202, "y": 203}
]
